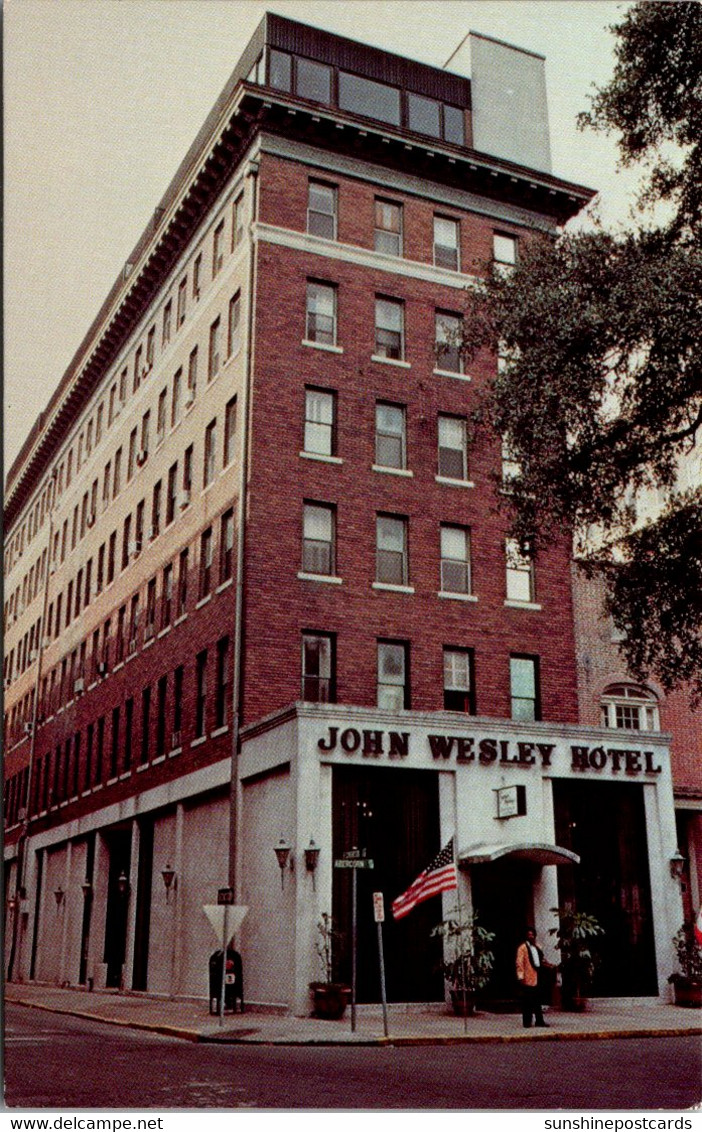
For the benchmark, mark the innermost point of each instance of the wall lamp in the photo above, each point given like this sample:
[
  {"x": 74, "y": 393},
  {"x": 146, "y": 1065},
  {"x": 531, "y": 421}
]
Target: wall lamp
[
  {"x": 87, "y": 888},
  {"x": 170, "y": 880},
  {"x": 122, "y": 883},
  {"x": 677, "y": 865},
  {"x": 282, "y": 852},
  {"x": 312, "y": 860},
  {"x": 59, "y": 896}
]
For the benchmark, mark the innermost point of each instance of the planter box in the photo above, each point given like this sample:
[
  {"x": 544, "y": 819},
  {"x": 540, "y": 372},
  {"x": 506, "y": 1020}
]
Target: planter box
[
  {"x": 329, "y": 1000},
  {"x": 463, "y": 1003},
  {"x": 688, "y": 992}
]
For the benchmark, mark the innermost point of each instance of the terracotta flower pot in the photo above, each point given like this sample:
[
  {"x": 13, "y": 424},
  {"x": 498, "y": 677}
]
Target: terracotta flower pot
[
  {"x": 688, "y": 992},
  {"x": 463, "y": 1003},
  {"x": 329, "y": 999}
]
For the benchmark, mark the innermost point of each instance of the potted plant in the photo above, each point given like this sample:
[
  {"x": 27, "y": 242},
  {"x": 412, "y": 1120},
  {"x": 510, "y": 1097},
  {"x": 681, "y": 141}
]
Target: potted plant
[
  {"x": 574, "y": 935},
  {"x": 687, "y": 982},
  {"x": 328, "y": 997},
  {"x": 468, "y": 958}
]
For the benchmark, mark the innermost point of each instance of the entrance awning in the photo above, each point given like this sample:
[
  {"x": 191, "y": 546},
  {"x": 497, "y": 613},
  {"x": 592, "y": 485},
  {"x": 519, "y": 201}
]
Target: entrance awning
[{"x": 538, "y": 852}]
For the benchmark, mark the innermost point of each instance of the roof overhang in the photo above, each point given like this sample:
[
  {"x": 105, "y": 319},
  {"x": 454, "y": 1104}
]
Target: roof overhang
[{"x": 538, "y": 852}]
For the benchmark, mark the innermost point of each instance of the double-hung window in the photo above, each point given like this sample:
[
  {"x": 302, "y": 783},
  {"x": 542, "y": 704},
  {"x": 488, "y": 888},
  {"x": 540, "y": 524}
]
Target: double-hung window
[
  {"x": 210, "y": 453},
  {"x": 237, "y": 221},
  {"x": 318, "y": 665},
  {"x": 388, "y": 227},
  {"x": 214, "y": 353},
  {"x": 321, "y": 313},
  {"x": 504, "y": 253},
  {"x": 222, "y": 682},
  {"x": 200, "y": 692},
  {"x": 390, "y": 435},
  {"x": 229, "y": 431},
  {"x": 389, "y": 328},
  {"x": 226, "y": 546},
  {"x": 520, "y": 573},
  {"x": 320, "y": 422},
  {"x": 218, "y": 248},
  {"x": 234, "y": 327},
  {"x": 175, "y": 398},
  {"x": 448, "y": 342},
  {"x": 391, "y": 553},
  {"x": 453, "y": 448},
  {"x": 455, "y": 560},
  {"x": 182, "y": 302},
  {"x": 447, "y": 243},
  {"x": 322, "y": 210},
  {"x": 318, "y": 539},
  {"x": 393, "y": 675},
  {"x": 206, "y": 553},
  {"x": 524, "y": 687},
  {"x": 458, "y": 680}
]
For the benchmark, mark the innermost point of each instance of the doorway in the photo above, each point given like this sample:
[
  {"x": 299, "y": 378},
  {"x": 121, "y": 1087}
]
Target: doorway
[
  {"x": 119, "y": 846},
  {"x": 394, "y": 815},
  {"x": 502, "y": 898}
]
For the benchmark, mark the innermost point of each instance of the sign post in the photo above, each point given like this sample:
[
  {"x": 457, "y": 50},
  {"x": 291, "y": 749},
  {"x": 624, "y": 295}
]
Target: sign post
[
  {"x": 379, "y": 913},
  {"x": 354, "y": 859},
  {"x": 225, "y": 896}
]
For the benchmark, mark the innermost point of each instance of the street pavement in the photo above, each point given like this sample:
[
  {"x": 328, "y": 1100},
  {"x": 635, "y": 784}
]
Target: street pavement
[{"x": 412, "y": 1025}]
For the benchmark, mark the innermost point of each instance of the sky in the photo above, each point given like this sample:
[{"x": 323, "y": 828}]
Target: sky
[{"x": 103, "y": 97}]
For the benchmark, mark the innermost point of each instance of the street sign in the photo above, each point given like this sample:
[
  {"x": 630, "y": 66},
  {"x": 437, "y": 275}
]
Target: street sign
[
  {"x": 225, "y": 896},
  {"x": 378, "y": 908},
  {"x": 354, "y": 863}
]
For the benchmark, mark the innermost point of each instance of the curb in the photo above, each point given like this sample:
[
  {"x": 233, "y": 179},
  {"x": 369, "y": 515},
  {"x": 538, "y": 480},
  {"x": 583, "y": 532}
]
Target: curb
[{"x": 153, "y": 1027}]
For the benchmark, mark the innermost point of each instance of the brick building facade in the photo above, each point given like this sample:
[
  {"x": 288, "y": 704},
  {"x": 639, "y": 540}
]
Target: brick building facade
[{"x": 256, "y": 586}]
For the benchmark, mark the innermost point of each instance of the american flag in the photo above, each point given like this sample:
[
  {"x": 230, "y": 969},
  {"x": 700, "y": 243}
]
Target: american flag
[{"x": 439, "y": 876}]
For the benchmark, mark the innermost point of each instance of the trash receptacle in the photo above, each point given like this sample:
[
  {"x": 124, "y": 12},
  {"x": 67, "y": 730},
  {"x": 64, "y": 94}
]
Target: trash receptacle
[{"x": 233, "y": 981}]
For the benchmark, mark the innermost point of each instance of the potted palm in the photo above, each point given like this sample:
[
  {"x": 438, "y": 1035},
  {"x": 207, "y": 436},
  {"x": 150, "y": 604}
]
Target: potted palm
[
  {"x": 574, "y": 935},
  {"x": 468, "y": 958},
  {"x": 687, "y": 982},
  {"x": 329, "y": 998}
]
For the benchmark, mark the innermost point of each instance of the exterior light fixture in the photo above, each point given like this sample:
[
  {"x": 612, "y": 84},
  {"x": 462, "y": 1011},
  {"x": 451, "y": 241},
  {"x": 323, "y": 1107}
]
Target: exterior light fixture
[
  {"x": 170, "y": 880},
  {"x": 282, "y": 852},
  {"x": 312, "y": 859},
  {"x": 87, "y": 888},
  {"x": 122, "y": 883},
  {"x": 58, "y": 896},
  {"x": 677, "y": 865},
  {"x": 12, "y": 904}
]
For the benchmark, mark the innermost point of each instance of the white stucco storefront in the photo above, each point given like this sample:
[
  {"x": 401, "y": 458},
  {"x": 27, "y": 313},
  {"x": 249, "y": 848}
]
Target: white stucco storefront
[{"x": 295, "y": 772}]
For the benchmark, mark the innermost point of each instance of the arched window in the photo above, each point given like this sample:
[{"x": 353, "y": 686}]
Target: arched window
[{"x": 631, "y": 707}]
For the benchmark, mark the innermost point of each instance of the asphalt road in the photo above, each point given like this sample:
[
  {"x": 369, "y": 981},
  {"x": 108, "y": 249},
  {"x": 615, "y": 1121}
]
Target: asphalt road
[{"x": 54, "y": 1061}]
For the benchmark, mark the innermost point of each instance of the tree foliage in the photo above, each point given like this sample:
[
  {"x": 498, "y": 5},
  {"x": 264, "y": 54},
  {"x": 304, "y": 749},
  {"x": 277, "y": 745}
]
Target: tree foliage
[{"x": 599, "y": 394}]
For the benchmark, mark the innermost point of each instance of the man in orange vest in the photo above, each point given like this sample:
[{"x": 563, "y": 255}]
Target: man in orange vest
[{"x": 530, "y": 963}]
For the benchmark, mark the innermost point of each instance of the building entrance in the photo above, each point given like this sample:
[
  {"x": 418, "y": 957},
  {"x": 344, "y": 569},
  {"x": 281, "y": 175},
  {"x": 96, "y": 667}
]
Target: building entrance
[
  {"x": 502, "y": 898},
  {"x": 394, "y": 816},
  {"x": 605, "y": 824},
  {"x": 119, "y": 846}
]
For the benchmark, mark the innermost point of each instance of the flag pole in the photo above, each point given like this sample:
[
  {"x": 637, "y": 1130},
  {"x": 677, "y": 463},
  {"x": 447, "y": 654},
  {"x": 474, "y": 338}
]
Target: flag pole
[{"x": 460, "y": 939}]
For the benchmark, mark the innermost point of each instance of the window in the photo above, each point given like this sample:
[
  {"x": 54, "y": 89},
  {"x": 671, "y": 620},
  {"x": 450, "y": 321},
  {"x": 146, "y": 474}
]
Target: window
[
  {"x": 393, "y": 675},
  {"x": 106, "y": 644},
  {"x": 188, "y": 472},
  {"x": 150, "y": 348},
  {"x": 171, "y": 493},
  {"x": 119, "y": 643},
  {"x": 126, "y": 531},
  {"x": 318, "y": 668},
  {"x": 454, "y": 125},
  {"x": 128, "y": 726},
  {"x": 182, "y": 304},
  {"x": 368, "y": 98},
  {"x": 318, "y": 539},
  {"x": 455, "y": 560},
  {"x": 234, "y": 332},
  {"x": 389, "y": 328},
  {"x": 453, "y": 448},
  {"x": 145, "y": 724},
  {"x": 210, "y": 453},
  {"x": 111, "y": 405},
  {"x": 388, "y": 227},
  {"x": 175, "y": 397},
  {"x": 520, "y": 573},
  {"x": 182, "y": 582},
  {"x": 446, "y": 243},
  {"x": 218, "y": 248},
  {"x": 167, "y": 317},
  {"x": 458, "y": 680},
  {"x": 229, "y": 431},
  {"x": 106, "y": 485},
  {"x": 390, "y": 435},
  {"x": 222, "y": 682},
  {"x": 504, "y": 253},
  {"x": 313, "y": 80},
  {"x": 279, "y": 70},
  {"x": 161, "y": 415},
  {"x": 122, "y": 388},
  {"x": 133, "y": 623},
  {"x": 192, "y": 371},
  {"x": 226, "y": 546},
  {"x": 206, "y": 551},
  {"x": 197, "y": 272},
  {"x": 131, "y": 457},
  {"x": 145, "y": 420},
  {"x": 139, "y": 527},
  {"x": 111, "y": 556},
  {"x": 630, "y": 707},
  {"x": 238, "y": 221},
  {"x": 321, "y": 210},
  {"x": 200, "y": 692},
  {"x": 448, "y": 340},
  {"x": 177, "y": 706},
  {"x": 117, "y": 476},
  {"x": 166, "y": 595},
  {"x": 320, "y": 422},
  {"x": 391, "y": 554},
  {"x": 162, "y": 693},
  {"x": 150, "y": 619},
  {"x": 424, "y": 115},
  {"x": 511, "y": 468},
  {"x": 114, "y": 744},
  {"x": 213, "y": 358},
  {"x": 88, "y": 439},
  {"x": 524, "y": 687},
  {"x": 321, "y": 313}
]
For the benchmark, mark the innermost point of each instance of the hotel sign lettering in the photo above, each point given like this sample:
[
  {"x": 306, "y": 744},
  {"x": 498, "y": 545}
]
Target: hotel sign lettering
[{"x": 486, "y": 751}]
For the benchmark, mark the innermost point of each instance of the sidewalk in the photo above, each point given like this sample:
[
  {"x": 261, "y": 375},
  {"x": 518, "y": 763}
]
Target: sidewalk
[{"x": 415, "y": 1025}]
